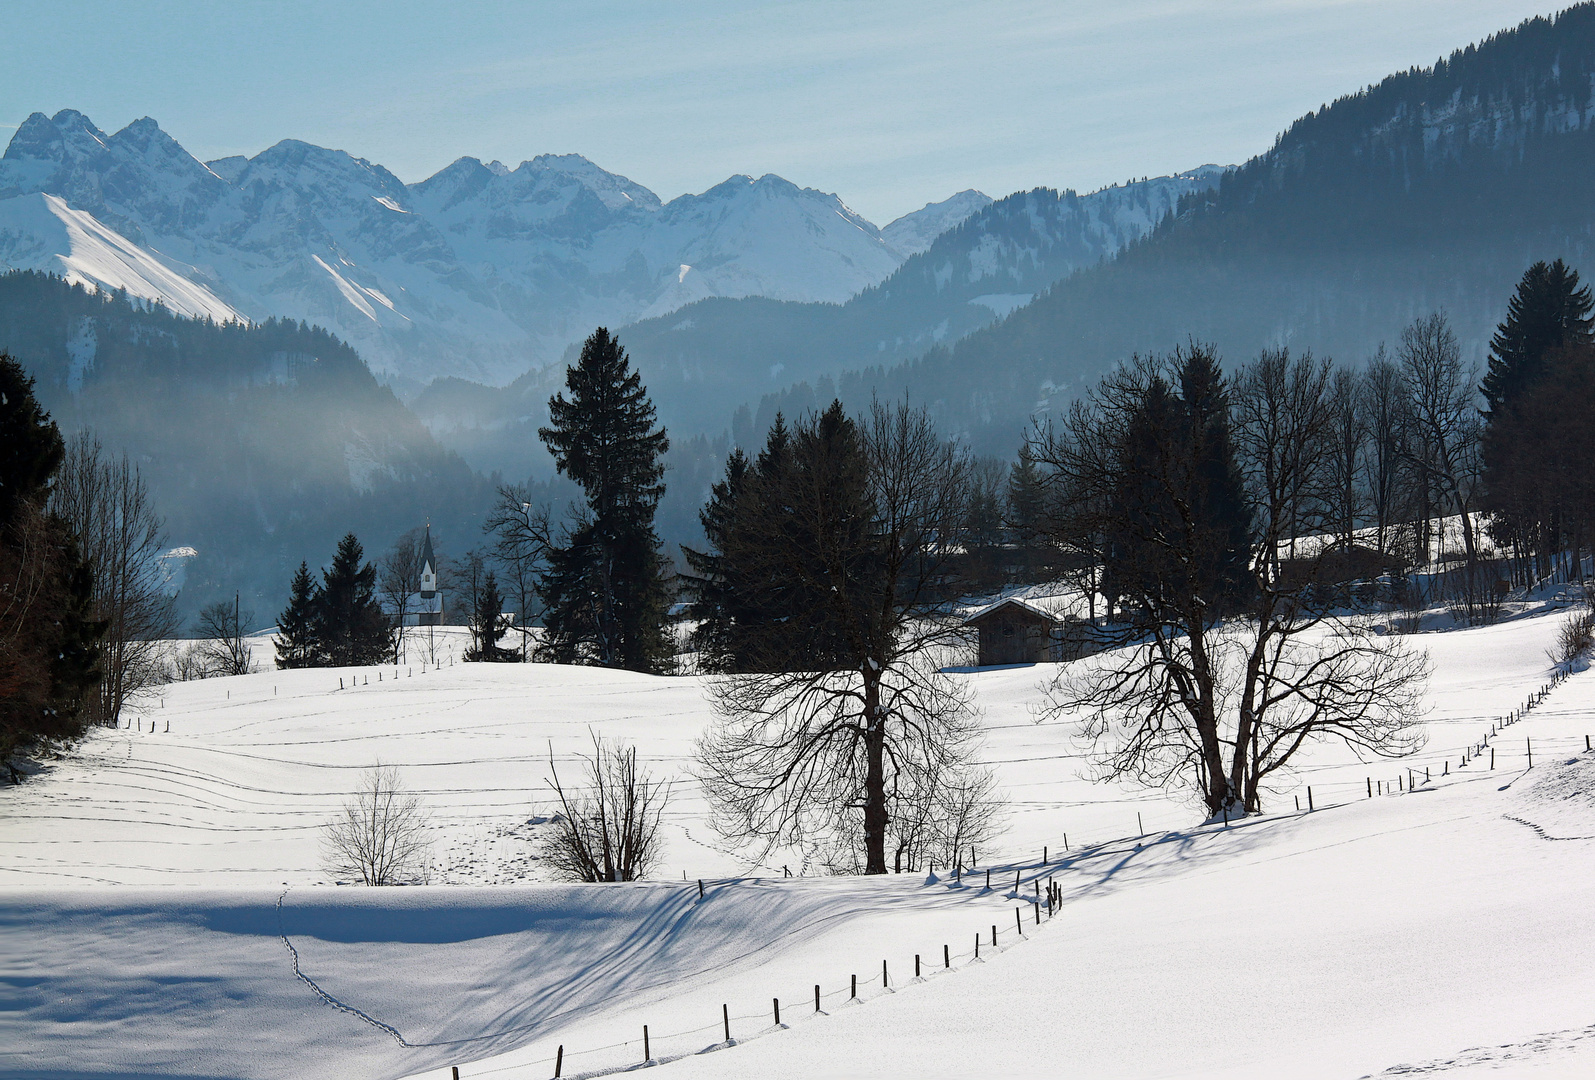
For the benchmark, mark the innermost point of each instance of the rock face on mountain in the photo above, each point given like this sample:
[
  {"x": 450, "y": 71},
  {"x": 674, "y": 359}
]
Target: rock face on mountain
[{"x": 479, "y": 271}]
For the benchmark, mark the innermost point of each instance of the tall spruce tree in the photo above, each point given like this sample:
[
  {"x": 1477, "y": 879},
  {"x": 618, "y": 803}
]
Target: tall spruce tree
[
  {"x": 297, "y": 646},
  {"x": 1179, "y": 523},
  {"x": 1548, "y": 312},
  {"x": 716, "y": 604},
  {"x": 604, "y": 591},
  {"x": 49, "y": 639},
  {"x": 350, "y": 629},
  {"x": 487, "y": 624}
]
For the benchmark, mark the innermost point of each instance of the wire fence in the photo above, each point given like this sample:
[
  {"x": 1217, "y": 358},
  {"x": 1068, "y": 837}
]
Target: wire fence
[
  {"x": 1030, "y": 912},
  {"x": 1041, "y": 906}
]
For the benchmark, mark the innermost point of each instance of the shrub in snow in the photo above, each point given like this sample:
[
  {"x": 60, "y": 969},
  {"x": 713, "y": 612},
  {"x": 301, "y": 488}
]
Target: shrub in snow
[
  {"x": 609, "y": 830},
  {"x": 1576, "y": 640},
  {"x": 382, "y": 836}
]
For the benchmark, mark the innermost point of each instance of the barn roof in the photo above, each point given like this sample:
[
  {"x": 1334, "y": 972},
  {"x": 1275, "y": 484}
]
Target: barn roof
[{"x": 1015, "y": 602}]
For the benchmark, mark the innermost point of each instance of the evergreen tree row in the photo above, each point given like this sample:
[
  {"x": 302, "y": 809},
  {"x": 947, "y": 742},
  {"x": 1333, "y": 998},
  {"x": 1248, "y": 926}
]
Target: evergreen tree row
[{"x": 337, "y": 623}]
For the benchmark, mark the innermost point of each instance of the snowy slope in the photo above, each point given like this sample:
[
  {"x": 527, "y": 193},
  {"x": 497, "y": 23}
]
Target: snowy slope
[
  {"x": 41, "y": 232},
  {"x": 1434, "y": 932},
  {"x": 480, "y": 270}
]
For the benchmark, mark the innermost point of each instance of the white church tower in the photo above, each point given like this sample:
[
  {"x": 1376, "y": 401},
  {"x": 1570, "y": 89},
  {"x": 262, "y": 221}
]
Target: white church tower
[{"x": 429, "y": 602}]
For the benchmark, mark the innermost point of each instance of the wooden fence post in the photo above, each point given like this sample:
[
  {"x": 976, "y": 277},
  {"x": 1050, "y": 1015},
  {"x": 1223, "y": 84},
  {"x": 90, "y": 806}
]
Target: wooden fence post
[
  {"x": 777, "y": 1011},
  {"x": 559, "y": 1057},
  {"x": 816, "y": 997},
  {"x": 947, "y": 956},
  {"x": 725, "y": 1015},
  {"x": 646, "y": 1056}
]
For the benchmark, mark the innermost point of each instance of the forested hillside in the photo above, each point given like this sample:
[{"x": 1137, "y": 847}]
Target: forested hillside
[
  {"x": 1432, "y": 190},
  {"x": 711, "y": 356},
  {"x": 262, "y": 444}
]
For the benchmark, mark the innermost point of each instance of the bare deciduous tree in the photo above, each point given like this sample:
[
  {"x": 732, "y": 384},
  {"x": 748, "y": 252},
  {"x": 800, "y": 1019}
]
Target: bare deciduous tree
[
  {"x": 399, "y": 580},
  {"x": 834, "y": 761},
  {"x": 108, "y": 506},
  {"x": 382, "y": 835},
  {"x": 522, "y": 537},
  {"x": 1444, "y": 419},
  {"x": 1222, "y": 699},
  {"x": 1348, "y": 446},
  {"x": 609, "y": 830},
  {"x": 222, "y": 646},
  {"x": 1385, "y": 402}
]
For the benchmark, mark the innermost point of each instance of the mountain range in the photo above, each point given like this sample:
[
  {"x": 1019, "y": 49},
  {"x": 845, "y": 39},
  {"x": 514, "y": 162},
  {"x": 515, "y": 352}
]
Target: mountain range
[
  {"x": 1432, "y": 190},
  {"x": 479, "y": 271},
  {"x": 711, "y": 357}
]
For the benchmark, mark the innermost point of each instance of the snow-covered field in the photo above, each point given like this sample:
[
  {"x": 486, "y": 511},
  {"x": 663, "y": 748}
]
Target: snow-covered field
[{"x": 161, "y": 912}]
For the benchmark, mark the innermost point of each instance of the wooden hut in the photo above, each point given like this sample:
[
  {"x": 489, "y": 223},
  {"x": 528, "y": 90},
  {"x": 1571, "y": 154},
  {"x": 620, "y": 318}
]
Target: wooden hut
[{"x": 1013, "y": 631}]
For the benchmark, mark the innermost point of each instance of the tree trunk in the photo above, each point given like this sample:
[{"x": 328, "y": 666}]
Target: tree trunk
[
  {"x": 875, "y": 816},
  {"x": 1218, "y": 795}
]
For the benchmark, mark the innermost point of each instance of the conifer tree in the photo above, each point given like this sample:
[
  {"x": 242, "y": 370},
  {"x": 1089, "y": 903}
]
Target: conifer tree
[
  {"x": 715, "y": 595},
  {"x": 350, "y": 628},
  {"x": 604, "y": 590},
  {"x": 50, "y": 654},
  {"x": 296, "y": 626},
  {"x": 31, "y": 448},
  {"x": 1179, "y": 518},
  {"x": 487, "y": 624},
  {"x": 1548, "y": 312}
]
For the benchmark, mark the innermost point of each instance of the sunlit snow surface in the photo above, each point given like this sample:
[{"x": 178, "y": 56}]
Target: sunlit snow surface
[{"x": 1440, "y": 932}]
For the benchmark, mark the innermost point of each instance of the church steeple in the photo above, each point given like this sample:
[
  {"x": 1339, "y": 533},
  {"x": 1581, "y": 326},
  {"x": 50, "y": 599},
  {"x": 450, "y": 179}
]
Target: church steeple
[{"x": 429, "y": 572}]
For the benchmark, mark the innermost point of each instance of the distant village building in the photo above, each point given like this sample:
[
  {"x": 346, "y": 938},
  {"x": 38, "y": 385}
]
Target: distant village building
[
  {"x": 424, "y": 608},
  {"x": 1016, "y": 631}
]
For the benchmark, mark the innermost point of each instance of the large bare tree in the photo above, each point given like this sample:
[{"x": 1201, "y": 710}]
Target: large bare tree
[
  {"x": 107, "y": 504},
  {"x": 836, "y": 742},
  {"x": 1211, "y": 685},
  {"x": 1443, "y": 419}
]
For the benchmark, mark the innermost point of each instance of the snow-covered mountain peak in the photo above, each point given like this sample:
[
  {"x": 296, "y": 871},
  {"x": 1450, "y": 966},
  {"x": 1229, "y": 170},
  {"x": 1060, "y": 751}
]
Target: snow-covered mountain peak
[
  {"x": 615, "y": 191},
  {"x": 914, "y": 232},
  {"x": 478, "y": 270},
  {"x": 302, "y": 163}
]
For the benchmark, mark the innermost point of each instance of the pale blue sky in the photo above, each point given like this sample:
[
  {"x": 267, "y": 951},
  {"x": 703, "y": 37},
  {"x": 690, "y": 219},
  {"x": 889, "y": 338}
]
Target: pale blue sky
[{"x": 890, "y": 104}]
